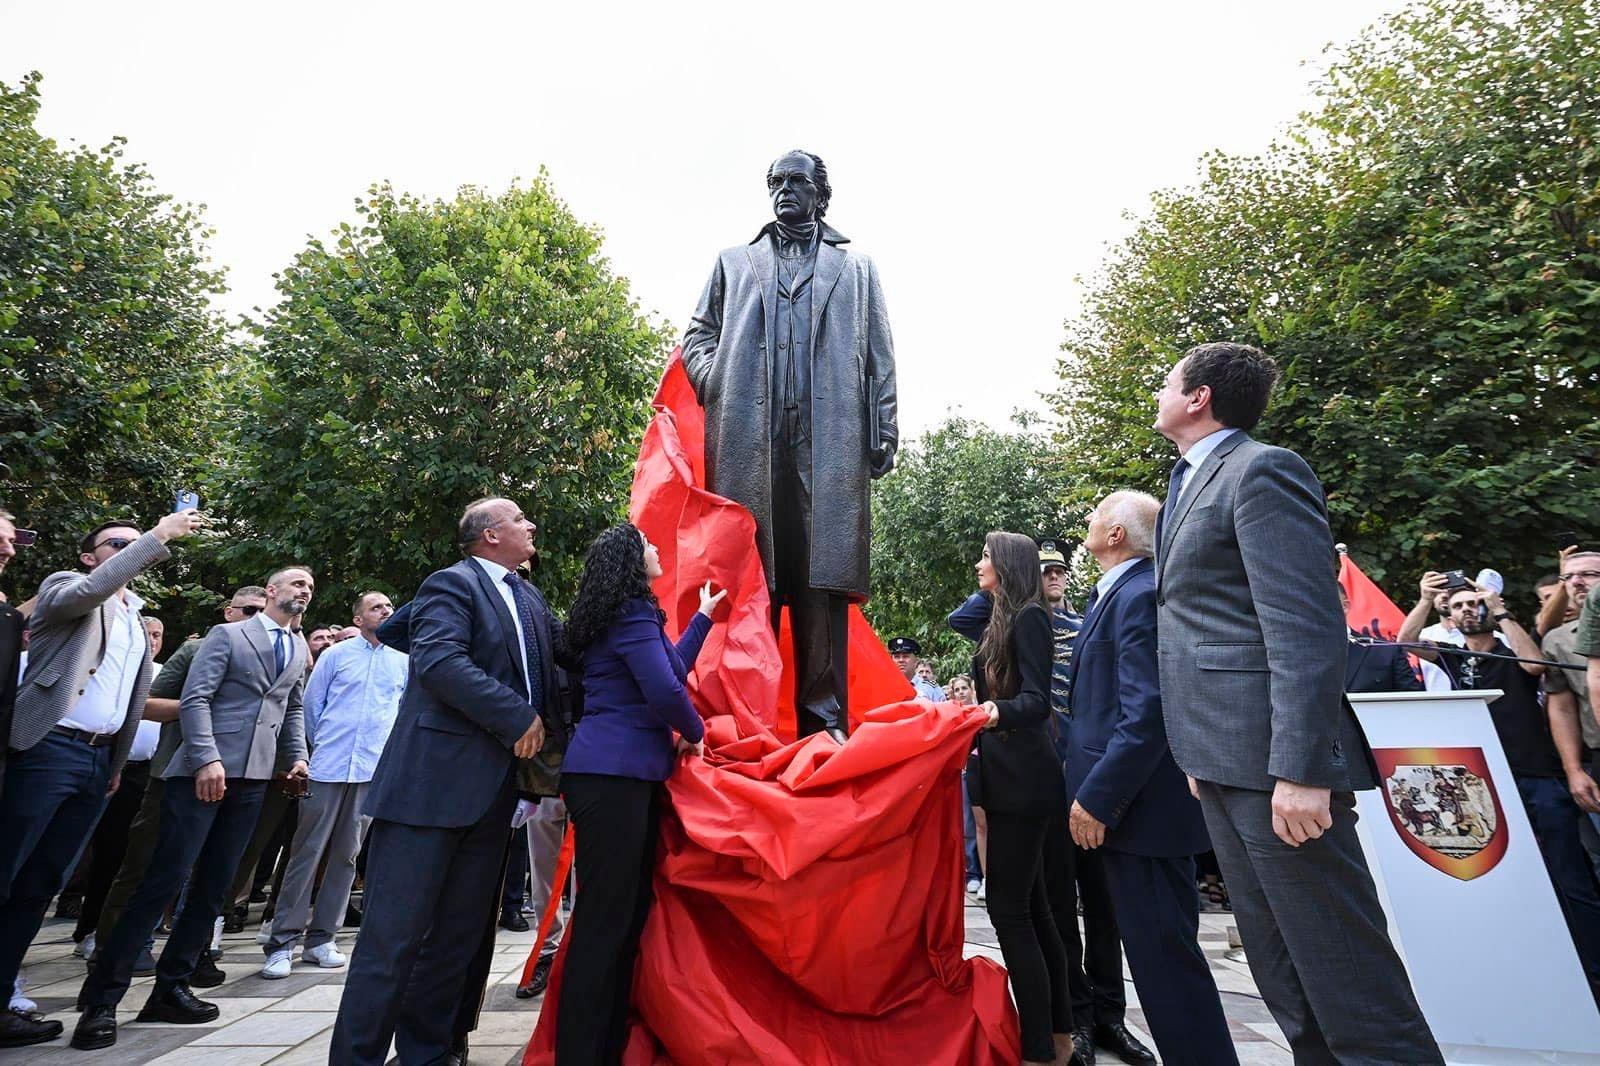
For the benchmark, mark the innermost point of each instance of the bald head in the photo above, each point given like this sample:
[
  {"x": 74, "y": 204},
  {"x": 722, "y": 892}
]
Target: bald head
[
  {"x": 496, "y": 529},
  {"x": 1123, "y": 526}
]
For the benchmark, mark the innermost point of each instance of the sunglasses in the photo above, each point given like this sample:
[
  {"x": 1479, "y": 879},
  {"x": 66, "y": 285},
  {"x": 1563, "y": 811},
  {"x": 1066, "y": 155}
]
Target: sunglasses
[
  {"x": 249, "y": 610},
  {"x": 116, "y": 543}
]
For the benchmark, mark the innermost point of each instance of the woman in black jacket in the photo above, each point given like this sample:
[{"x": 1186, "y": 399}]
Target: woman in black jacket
[{"x": 1015, "y": 777}]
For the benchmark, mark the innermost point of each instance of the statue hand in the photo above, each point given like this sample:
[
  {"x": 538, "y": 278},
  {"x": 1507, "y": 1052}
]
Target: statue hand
[{"x": 882, "y": 460}]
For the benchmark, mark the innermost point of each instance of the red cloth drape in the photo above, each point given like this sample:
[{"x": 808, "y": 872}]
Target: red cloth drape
[
  {"x": 808, "y": 902},
  {"x": 1371, "y": 612}
]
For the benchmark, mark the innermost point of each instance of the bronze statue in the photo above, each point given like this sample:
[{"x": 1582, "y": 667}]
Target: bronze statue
[{"x": 790, "y": 354}]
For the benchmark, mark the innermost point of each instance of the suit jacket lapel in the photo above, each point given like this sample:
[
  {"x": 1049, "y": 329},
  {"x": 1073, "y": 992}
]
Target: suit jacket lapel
[
  {"x": 765, "y": 266},
  {"x": 830, "y": 262},
  {"x": 508, "y": 627},
  {"x": 255, "y": 631},
  {"x": 1099, "y": 611},
  {"x": 1196, "y": 485}
]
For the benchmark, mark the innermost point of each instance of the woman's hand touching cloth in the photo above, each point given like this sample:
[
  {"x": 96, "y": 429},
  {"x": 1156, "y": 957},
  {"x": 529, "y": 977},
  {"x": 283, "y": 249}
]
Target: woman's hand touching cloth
[
  {"x": 992, "y": 711},
  {"x": 708, "y": 601},
  {"x": 696, "y": 748}
]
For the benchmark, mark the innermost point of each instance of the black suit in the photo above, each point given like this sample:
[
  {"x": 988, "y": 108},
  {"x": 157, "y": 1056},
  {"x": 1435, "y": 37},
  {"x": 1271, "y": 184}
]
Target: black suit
[
  {"x": 11, "y": 625},
  {"x": 441, "y": 802},
  {"x": 1378, "y": 668},
  {"x": 1020, "y": 787}
]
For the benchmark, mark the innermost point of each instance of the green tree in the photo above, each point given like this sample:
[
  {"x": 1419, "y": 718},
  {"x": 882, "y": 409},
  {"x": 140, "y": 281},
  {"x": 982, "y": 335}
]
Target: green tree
[
  {"x": 1421, "y": 253},
  {"x": 429, "y": 353},
  {"x": 110, "y": 352},
  {"x": 949, "y": 489}
]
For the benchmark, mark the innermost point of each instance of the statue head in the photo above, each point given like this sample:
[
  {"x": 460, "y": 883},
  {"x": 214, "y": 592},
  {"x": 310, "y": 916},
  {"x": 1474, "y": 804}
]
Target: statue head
[{"x": 798, "y": 184}]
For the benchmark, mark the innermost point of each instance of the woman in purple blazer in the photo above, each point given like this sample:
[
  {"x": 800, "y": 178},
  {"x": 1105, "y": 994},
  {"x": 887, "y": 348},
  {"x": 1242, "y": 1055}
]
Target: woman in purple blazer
[{"x": 637, "y": 719}]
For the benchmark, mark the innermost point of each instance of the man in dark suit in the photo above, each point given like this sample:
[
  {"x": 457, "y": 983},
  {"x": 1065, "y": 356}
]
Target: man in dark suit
[
  {"x": 1252, "y": 656},
  {"x": 1130, "y": 802},
  {"x": 481, "y": 693},
  {"x": 240, "y": 717},
  {"x": 1375, "y": 667},
  {"x": 11, "y": 625}
]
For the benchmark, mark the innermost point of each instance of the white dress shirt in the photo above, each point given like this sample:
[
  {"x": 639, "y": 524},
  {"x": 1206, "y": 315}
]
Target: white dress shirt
[
  {"x": 1197, "y": 453},
  {"x": 103, "y": 707},
  {"x": 272, "y": 641},
  {"x": 497, "y": 578}
]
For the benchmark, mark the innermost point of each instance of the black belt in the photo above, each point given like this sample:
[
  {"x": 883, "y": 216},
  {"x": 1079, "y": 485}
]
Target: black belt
[{"x": 94, "y": 740}]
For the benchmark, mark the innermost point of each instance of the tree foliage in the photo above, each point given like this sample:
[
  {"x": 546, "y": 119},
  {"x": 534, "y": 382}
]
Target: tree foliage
[
  {"x": 432, "y": 352},
  {"x": 110, "y": 353},
  {"x": 1421, "y": 253},
  {"x": 949, "y": 489}
]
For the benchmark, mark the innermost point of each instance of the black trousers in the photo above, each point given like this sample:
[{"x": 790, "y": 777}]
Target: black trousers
[
  {"x": 1094, "y": 960},
  {"x": 516, "y": 888},
  {"x": 1019, "y": 908},
  {"x": 204, "y": 838},
  {"x": 818, "y": 619},
  {"x": 142, "y": 834},
  {"x": 1159, "y": 910},
  {"x": 616, "y": 820},
  {"x": 109, "y": 844},
  {"x": 430, "y": 891}
]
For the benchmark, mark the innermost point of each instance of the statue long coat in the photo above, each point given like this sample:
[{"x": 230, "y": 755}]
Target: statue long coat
[{"x": 726, "y": 354}]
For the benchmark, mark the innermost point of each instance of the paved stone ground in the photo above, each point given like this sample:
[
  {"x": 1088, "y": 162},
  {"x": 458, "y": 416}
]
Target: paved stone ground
[{"x": 290, "y": 1021}]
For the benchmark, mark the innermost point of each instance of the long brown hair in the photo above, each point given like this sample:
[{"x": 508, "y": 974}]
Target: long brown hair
[{"x": 1015, "y": 559}]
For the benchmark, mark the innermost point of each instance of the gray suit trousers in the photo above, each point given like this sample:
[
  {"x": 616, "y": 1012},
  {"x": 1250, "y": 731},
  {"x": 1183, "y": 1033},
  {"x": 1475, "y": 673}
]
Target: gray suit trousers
[
  {"x": 331, "y": 824},
  {"x": 1315, "y": 935}
]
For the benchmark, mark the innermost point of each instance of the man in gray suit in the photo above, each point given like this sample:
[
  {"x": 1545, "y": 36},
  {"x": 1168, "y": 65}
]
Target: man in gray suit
[
  {"x": 1252, "y": 658},
  {"x": 240, "y": 714},
  {"x": 72, "y": 725}
]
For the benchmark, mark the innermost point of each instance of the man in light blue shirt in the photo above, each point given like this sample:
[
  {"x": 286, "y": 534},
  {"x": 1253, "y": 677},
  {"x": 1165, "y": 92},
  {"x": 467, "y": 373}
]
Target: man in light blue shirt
[
  {"x": 351, "y": 702},
  {"x": 907, "y": 655}
]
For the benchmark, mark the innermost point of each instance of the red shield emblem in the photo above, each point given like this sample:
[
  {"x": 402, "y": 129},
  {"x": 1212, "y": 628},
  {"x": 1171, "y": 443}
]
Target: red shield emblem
[{"x": 1443, "y": 804}]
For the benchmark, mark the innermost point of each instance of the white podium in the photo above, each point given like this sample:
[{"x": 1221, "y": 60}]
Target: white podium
[{"x": 1470, "y": 905}]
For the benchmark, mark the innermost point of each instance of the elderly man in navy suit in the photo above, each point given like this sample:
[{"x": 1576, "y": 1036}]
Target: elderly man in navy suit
[
  {"x": 1130, "y": 800},
  {"x": 481, "y": 693}
]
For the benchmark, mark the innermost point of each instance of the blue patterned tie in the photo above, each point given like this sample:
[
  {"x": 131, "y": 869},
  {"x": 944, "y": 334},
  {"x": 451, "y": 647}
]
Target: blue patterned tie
[
  {"x": 1174, "y": 486},
  {"x": 277, "y": 650},
  {"x": 530, "y": 636}
]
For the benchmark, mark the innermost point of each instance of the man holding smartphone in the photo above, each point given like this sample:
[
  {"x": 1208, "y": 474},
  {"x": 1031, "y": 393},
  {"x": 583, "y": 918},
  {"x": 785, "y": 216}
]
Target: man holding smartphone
[{"x": 241, "y": 713}]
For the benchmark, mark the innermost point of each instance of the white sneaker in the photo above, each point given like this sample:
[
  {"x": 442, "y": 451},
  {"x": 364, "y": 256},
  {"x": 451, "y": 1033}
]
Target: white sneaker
[
  {"x": 983, "y": 891},
  {"x": 279, "y": 963},
  {"x": 84, "y": 949},
  {"x": 265, "y": 936},
  {"x": 216, "y": 934},
  {"x": 20, "y": 1002},
  {"x": 325, "y": 955},
  {"x": 973, "y": 886}
]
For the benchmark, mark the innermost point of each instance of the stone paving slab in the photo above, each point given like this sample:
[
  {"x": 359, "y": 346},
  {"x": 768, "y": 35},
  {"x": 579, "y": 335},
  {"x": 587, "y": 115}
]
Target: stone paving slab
[{"x": 289, "y": 1022}]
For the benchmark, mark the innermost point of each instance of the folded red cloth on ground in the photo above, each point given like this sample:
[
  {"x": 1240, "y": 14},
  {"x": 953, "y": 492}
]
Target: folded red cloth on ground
[{"x": 808, "y": 897}]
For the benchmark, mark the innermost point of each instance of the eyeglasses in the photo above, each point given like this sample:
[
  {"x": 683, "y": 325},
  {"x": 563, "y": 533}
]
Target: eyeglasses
[
  {"x": 1576, "y": 575},
  {"x": 116, "y": 543},
  {"x": 777, "y": 181}
]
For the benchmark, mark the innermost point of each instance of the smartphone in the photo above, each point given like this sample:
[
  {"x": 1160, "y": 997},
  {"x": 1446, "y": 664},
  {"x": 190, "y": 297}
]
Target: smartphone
[
  {"x": 1565, "y": 540},
  {"x": 1456, "y": 579},
  {"x": 187, "y": 501}
]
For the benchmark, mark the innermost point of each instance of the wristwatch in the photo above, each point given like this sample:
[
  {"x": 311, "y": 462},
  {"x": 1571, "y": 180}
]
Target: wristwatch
[{"x": 1502, "y": 616}]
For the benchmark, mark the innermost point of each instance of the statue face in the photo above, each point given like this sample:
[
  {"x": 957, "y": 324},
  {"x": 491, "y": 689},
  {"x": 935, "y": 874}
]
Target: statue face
[{"x": 793, "y": 188}]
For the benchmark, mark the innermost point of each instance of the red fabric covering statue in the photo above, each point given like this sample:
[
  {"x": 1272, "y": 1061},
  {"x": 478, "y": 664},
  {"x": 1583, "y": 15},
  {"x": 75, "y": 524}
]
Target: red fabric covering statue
[{"x": 808, "y": 904}]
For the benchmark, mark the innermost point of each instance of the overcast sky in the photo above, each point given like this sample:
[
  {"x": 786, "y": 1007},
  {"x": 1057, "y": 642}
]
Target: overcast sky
[{"x": 984, "y": 154}]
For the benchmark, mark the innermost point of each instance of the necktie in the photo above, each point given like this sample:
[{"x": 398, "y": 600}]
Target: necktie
[
  {"x": 278, "y": 656},
  {"x": 1088, "y": 605},
  {"x": 530, "y": 637},
  {"x": 1174, "y": 486}
]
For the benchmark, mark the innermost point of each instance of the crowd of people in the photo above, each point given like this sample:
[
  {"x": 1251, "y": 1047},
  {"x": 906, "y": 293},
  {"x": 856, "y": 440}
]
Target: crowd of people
[{"x": 1185, "y": 733}]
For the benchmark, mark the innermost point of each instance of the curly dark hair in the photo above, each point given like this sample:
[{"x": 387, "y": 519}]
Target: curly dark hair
[{"x": 613, "y": 574}]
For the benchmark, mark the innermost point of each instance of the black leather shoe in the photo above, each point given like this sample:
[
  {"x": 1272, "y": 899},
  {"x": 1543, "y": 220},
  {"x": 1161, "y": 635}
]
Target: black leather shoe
[
  {"x": 206, "y": 973},
  {"x": 1083, "y": 1036},
  {"x": 179, "y": 1006},
  {"x": 21, "y": 1030},
  {"x": 96, "y": 1029},
  {"x": 538, "y": 980},
  {"x": 458, "y": 1054},
  {"x": 513, "y": 921},
  {"x": 233, "y": 921},
  {"x": 1116, "y": 1039}
]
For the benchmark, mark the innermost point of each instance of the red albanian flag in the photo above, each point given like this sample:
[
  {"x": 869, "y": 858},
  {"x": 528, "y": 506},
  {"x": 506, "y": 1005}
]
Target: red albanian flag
[{"x": 1371, "y": 613}]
